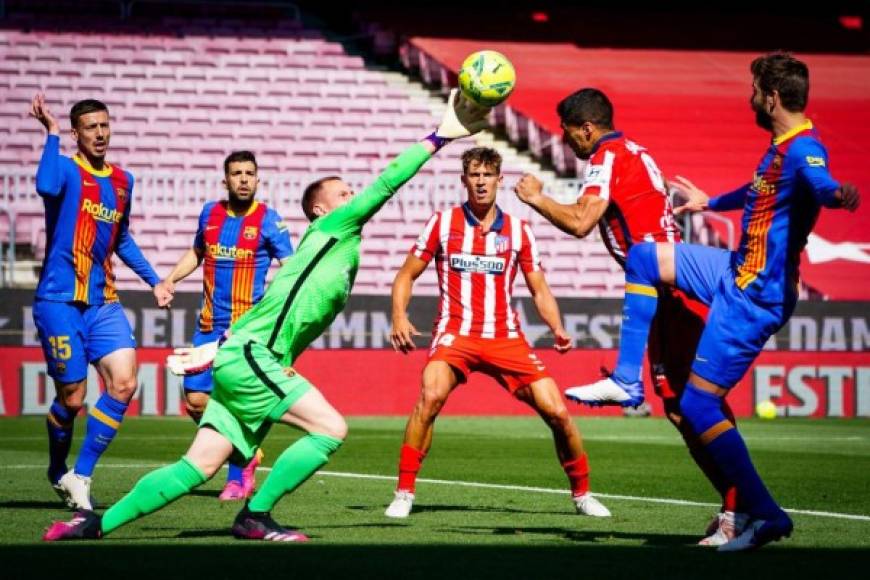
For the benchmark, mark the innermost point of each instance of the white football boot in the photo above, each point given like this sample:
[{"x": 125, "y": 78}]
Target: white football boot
[
  {"x": 607, "y": 392},
  {"x": 78, "y": 487},
  {"x": 589, "y": 506},
  {"x": 401, "y": 505},
  {"x": 63, "y": 494},
  {"x": 724, "y": 528}
]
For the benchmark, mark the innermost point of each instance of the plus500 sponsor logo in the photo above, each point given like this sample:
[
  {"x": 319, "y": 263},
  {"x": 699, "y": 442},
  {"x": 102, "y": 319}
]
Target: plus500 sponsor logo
[
  {"x": 477, "y": 264},
  {"x": 221, "y": 252},
  {"x": 100, "y": 212}
]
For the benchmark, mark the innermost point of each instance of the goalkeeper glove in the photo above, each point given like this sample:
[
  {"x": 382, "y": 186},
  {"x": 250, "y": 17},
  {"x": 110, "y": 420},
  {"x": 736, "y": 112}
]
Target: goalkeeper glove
[{"x": 192, "y": 360}]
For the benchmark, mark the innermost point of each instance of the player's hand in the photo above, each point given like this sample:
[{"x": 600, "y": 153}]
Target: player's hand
[
  {"x": 849, "y": 197},
  {"x": 563, "y": 341},
  {"x": 696, "y": 199},
  {"x": 192, "y": 360},
  {"x": 39, "y": 111},
  {"x": 462, "y": 117},
  {"x": 164, "y": 292},
  {"x": 401, "y": 335},
  {"x": 528, "y": 188}
]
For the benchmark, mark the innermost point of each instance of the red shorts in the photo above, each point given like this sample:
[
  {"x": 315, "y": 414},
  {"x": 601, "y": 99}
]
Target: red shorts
[
  {"x": 510, "y": 361},
  {"x": 673, "y": 338}
]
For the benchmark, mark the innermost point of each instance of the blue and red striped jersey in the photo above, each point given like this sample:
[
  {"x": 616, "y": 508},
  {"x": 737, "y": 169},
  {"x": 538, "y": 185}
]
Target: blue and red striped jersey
[
  {"x": 87, "y": 216},
  {"x": 237, "y": 251},
  {"x": 780, "y": 208}
]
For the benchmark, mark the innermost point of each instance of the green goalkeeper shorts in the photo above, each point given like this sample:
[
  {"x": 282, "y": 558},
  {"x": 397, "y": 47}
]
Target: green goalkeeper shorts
[{"x": 250, "y": 393}]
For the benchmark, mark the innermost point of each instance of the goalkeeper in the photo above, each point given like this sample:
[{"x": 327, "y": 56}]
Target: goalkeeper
[{"x": 253, "y": 384}]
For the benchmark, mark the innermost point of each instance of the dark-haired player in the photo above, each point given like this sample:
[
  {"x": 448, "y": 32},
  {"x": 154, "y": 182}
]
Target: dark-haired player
[
  {"x": 76, "y": 309},
  {"x": 237, "y": 238},
  {"x": 625, "y": 195},
  {"x": 751, "y": 292}
]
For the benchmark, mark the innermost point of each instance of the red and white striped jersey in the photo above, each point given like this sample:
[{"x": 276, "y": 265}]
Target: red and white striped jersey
[
  {"x": 624, "y": 173},
  {"x": 476, "y": 270}
]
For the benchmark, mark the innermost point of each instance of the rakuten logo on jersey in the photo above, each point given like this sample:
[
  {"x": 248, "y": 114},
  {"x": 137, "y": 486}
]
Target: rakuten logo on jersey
[
  {"x": 477, "y": 264},
  {"x": 221, "y": 252},
  {"x": 100, "y": 212}
]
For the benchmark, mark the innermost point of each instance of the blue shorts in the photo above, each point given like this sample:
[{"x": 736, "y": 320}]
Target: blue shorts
[
  {"x": 202, "y": 382},
  {"x": 74, "y": 334},
  {"x": 737, "y": 327}
]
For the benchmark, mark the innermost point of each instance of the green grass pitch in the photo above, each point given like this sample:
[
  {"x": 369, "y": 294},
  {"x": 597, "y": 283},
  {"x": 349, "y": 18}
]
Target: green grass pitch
[{"x": 525, "y": 528}]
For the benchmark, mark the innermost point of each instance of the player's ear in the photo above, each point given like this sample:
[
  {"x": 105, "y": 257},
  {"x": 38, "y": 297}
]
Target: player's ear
[{"x": 318, "y": 210}]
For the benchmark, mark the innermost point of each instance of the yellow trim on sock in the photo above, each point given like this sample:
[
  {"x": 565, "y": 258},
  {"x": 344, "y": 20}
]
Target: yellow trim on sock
[
  {"x": 631, "y": 288},
  {"x": 713, "y": 432},
  {"x": 53, "y": 420},
  {"x": 103, "y": 418}
]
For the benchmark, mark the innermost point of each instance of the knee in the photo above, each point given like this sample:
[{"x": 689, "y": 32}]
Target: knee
[
  {"x": 641, "y": 264},
  {"x": 72, "y": 396},
  {"x": 123, "y": 388},
  {"x": 700, "y": 409},
  {"x": 558, "y": 418},
  {"x": 431, "y": 401},
  {"x": 334, "y": 426}
]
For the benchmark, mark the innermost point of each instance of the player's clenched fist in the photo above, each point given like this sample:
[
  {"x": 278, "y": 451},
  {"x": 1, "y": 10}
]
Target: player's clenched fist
[
  {"x": 402, "y": 333},
  {"x": 528, "y": 188}
]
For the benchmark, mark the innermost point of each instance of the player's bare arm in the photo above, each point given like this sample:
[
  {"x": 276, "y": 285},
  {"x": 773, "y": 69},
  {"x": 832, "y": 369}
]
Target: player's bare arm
[
  {"x": 548, "y": 309},
  {"x": 402, "y": 331},
  {"x": 576, "y": 219},
  {"x": 39, "y": 110},
  {"x": 165, "y": 289}
]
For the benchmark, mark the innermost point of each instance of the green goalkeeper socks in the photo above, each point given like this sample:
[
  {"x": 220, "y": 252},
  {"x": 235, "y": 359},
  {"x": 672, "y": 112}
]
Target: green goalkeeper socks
[
  {"x": 293, "y": 467},
  {"x": 154, "y": 491}
]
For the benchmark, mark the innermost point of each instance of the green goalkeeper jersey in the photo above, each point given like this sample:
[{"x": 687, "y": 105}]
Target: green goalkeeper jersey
[{"x": 312, "y": 287}]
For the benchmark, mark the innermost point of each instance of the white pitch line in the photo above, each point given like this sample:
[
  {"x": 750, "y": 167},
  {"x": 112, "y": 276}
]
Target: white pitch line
[{"x": 348, "y": 475}]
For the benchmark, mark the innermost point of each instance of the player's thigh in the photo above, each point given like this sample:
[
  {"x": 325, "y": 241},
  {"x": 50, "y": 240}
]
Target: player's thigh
[
  {"x": 512, "y": 363},
  {"x": 440, "y": 377},
  {"x": 737, "y": 330},
  {"x": 209, "y": 450},
  {"x": 673, "y": 339},
  {"x": 108, "y": 330},
  {"x": 699, "y": 270},
  {"x": 544, "y": 397},
  {"x": 61, "y": 329},
  {"x": 314, "y": 414}
]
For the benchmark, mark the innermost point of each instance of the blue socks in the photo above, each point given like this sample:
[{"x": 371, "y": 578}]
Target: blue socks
[
  {"x": 234, "y": 473},
  {"x": 59, "y": 424},
  {"x": 103, "y": 422},
  {"x": 638, "y": 311},
  {"x": 724, "y": 444}
]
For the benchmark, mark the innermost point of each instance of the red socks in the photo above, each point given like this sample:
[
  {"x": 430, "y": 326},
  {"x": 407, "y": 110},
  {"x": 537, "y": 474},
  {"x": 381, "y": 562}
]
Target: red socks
[
  {"x": 410, "y": 460},
  {"x": 577, "y": 471}
]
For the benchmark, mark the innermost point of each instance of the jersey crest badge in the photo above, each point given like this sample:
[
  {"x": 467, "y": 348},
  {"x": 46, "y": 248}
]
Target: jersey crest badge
[{"x": 250, "y": 232}]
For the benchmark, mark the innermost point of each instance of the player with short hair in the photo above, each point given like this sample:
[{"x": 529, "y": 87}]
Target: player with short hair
[
  {"x": 253, "y": 388},
  {"x": 751, "y": 292},
  {"x": 76, "y": 309},
  {"x": 625, "y": 194},
  {"x": 478, "y": 250},
  {"x": 237, "y": 238}
]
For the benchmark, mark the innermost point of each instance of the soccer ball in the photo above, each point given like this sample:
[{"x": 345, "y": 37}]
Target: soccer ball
[
  {"x": 765, "y": 410},
  {"x": 487, "y": 77}
]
